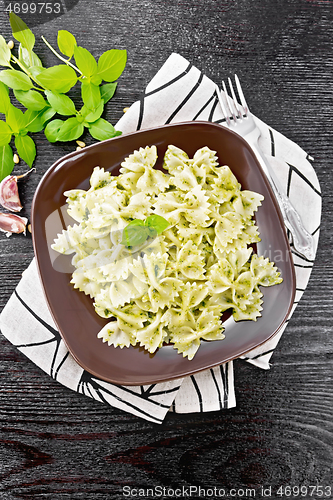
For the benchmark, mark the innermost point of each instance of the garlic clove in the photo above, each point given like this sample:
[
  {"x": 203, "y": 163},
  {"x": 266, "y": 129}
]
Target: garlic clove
[
  {"x": 9, "y": 197},
  {"x": 11, "y": 223}
]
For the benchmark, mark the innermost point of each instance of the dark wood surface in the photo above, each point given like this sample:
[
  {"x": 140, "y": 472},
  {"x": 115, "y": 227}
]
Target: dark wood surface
[{"x": 56, "y": 444}]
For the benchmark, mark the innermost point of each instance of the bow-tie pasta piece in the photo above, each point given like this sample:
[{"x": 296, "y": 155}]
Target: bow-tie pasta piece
[
  {"x": 191, "y": 262},
  {"x": 112, "y": 334},
  {"x": 139, "y": 175}
]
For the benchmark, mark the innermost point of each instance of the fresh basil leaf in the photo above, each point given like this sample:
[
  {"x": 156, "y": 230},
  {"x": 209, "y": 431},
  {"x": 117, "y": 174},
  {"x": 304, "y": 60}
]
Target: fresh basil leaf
[
  {"x": 85, "y": 61},
  {"x": 84, "y": 111},
  {"x": 66, "y": 43},
  {"x": 93, "y": 115},
  {"x": 152, "y": 233},
  {"x": 33, "y": 120},
  {"x": 21, "y": 32},
  {"x": 30, "y": 99},
  {"x": 102, "y": 130},
  {"x": 59, "y": 78},
  {"x": 136, "y": 222},
  {"x": 6, "y": 161},
  {"x": 107, "y": 91},
  {"x": 35, "y": 60},
  {"x": 15, "y": 119},
  {"x": 52, "y": 129},
  {"x": 111, "y": 64},
  {"x": 5, "y": 52},
  {"x": 26, "y": 148},
  {"x": 96, "y": 79},
  {"x": 91, "y": 95},
  {"x": 135, "y": 236},
  {"x": 47, "y": 114},
  {"x": 5, "y": 133},
  {"x": 35, "y": 71},
  {"x": 15, "y": 79},
  {"x": 28, "y": 58},
  {"x": 61, "y": 103},
  {"x": 70, "y": 130},
  {"x": 4, "y": 98},
  {"x": 135, "y": 233},
  {"x": 156, "y": 222}
]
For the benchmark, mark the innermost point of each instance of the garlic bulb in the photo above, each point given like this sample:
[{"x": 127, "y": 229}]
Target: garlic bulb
[{"x": 11, "y": 223}]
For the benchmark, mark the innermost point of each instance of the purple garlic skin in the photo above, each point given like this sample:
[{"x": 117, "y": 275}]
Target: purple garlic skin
[
  {"x": 11, "y": 223},
  {"x": 9, "y": 197}
]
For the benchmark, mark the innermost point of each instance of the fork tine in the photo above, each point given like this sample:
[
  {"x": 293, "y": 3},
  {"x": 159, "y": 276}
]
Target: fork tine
[
  {"x": 241, "y": 95},
  {"x": 234, "y": 98},
  {"x": 229, "y": 102},
  {"x": 224, "y": 111}
]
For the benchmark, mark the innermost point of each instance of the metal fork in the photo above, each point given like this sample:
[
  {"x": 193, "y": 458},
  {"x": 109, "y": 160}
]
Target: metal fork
[{"x": 240, "y": 120}]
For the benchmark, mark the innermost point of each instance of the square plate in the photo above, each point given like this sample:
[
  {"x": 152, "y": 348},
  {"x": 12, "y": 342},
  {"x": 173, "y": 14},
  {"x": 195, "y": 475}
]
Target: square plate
[{"x": 73, "y": 311}]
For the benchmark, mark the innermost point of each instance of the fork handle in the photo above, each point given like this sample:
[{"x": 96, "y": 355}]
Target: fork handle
[{"x": 302, "y": 239}]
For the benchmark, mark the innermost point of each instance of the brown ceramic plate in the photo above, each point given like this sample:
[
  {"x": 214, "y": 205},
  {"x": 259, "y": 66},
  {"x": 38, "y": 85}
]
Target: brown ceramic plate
[{"x": 73, "y": 311}]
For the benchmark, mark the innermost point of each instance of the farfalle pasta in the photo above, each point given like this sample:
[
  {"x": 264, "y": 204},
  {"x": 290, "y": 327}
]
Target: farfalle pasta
[{"x": 174, "y": 288}]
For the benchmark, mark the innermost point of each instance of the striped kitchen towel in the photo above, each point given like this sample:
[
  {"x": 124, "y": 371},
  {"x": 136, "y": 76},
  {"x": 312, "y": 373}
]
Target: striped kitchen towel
[{"x": 179, "y": 92}]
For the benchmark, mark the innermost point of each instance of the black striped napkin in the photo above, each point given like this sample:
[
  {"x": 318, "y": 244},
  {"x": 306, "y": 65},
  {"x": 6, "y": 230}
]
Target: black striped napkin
[{"x": 179, "y": 92}]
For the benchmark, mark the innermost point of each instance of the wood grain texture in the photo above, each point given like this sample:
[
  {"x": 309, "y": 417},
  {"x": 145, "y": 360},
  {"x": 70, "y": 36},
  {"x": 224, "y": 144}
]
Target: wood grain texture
[{"x": 56, "y": 444}]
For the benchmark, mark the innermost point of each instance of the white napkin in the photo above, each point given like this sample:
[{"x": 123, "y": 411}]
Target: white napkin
[{"x": 178, "y": 92}]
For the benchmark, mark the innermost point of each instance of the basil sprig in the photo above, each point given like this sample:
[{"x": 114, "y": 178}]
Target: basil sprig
[
  {"x": 138, "y": 231},
  {"x": 43, "y": 92}
]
